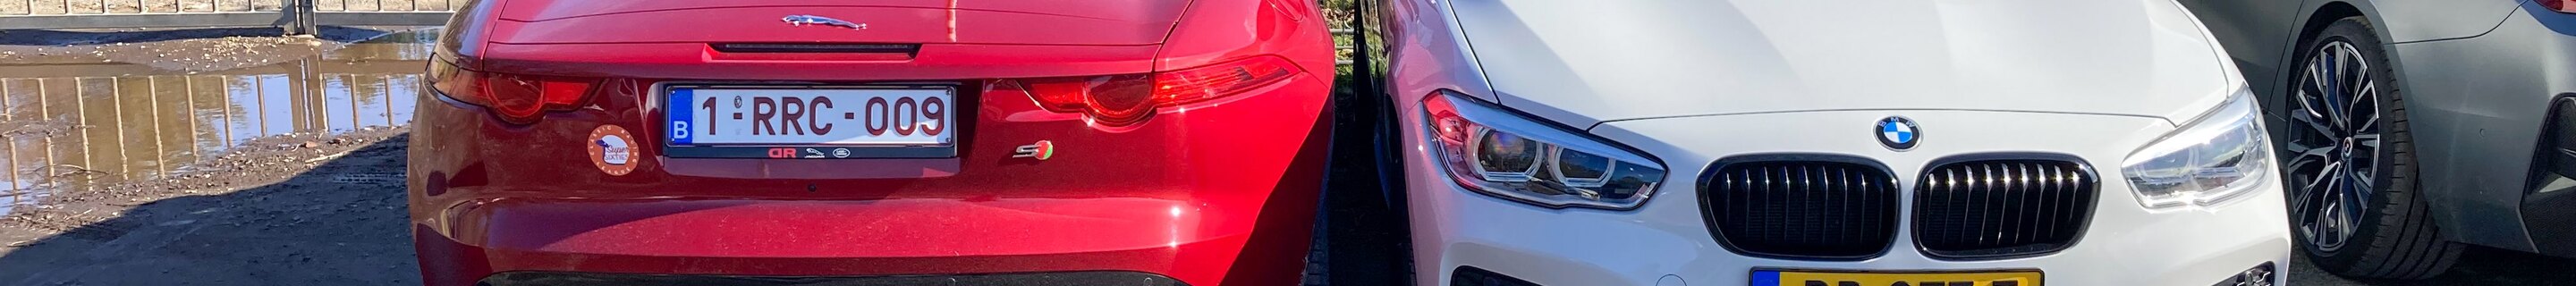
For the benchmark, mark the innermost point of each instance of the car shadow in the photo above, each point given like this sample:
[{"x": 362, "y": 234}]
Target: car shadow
[
  {"x": 2477, "y": 266},
  {"x": 340, "y": 222}
]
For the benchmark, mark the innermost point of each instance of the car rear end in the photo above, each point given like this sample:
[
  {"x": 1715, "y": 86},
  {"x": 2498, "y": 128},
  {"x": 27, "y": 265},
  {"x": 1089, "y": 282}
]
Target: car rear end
[
  {"x": 2497, "y": 86},
  {"x": 1161, "y": 142}
]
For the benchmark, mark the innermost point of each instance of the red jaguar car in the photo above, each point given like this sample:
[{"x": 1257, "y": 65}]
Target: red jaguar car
[{"x": 882, "y": 142}]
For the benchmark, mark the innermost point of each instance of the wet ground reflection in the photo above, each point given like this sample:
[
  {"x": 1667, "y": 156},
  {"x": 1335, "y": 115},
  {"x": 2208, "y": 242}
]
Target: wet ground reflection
[{"x": 73, "y": 123}]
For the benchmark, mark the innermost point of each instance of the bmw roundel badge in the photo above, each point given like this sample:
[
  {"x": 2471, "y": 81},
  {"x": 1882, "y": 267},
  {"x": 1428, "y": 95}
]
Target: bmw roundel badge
[{"x": 1898, "y": 133}]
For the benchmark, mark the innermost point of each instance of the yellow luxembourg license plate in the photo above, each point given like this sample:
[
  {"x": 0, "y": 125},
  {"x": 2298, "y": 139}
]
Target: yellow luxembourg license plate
[{"x": 1824, "y": 278}]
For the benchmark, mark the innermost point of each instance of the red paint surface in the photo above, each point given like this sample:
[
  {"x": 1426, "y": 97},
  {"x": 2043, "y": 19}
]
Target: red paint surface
[{"x": 1212, "y": 193}]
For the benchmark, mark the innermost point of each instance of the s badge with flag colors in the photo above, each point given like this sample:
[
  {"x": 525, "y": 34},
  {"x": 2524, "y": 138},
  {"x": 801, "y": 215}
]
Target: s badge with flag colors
[
  {"x": 1823, "y": 278},
  {"x": 612, "y": 149},
  {"x": 1898, "y": 133},
  {"x": 1041, "y": 150}
]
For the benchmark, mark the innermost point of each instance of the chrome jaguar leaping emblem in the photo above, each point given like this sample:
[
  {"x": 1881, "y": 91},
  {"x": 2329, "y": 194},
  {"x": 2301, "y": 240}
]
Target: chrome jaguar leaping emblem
[{"x": 801, "y": 20}]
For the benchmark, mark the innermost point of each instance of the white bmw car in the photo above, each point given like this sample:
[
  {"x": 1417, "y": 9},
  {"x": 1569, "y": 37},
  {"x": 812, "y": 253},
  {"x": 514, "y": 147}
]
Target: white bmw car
[{"x": 1791, "y": 143}]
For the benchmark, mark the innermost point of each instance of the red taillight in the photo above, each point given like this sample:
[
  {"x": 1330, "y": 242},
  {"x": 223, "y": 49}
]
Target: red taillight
[
  {"x": 519, "y": 99},
  {"x": 2562, "y": 6},
  {"x": 1219, "y": 80},
  {"x": 1128, "y": 99},
  {"x": 1112, "y": 100},
  {"x": 1446, "y": 125}
]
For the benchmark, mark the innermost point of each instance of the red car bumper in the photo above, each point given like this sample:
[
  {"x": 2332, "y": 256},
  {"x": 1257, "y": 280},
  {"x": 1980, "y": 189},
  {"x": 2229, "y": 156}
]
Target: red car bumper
[{"x": 1222, "y": 193}]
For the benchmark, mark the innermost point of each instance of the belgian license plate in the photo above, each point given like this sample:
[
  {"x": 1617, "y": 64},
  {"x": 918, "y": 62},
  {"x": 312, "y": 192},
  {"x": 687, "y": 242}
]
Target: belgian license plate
[
  {"x": 1854, "y": 278},
  {"x": 813, "y": 117}
]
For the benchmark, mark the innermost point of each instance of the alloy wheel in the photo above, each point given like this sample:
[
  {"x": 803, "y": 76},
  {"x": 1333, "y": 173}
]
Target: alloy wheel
[{"x": 2334, "y": 140}]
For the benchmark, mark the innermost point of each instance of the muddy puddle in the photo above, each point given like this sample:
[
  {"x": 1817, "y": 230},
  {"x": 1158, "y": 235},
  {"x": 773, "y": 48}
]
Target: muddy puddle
[{"x": 75, "y": 119}]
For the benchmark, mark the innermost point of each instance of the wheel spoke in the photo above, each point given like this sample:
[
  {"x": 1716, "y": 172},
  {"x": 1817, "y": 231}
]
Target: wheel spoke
[
  {"x": 2334, "y": 83},
  {"x": 2355, "y": 77},
  {"x": 2315, "y": 213},
  {"x": 2308, "y": 199},
  {"x": 2321, "y": 128},
  {"x": 2308, "y": 155},
  {"x": 2309, "y": 207},
  {"x": 2313, "y": 88},
  {"x": 2325, "y": 178},
  {"x": 2330, "y": 228},
  {"x": 2307, "y": 100},
  {"x": 2365, "y": 104},
  {"x": 2325, "y": 164},
  {"x": 2350, "y": 201},
  {"x": 2355, "y": 71},
  {"x": 2322, "y": 213},
  {"x": 2324, "y": 72}
]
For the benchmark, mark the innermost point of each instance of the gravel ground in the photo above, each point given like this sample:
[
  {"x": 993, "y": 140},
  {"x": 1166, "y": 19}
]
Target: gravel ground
[
  {"x": 294, "y": 209},
  {"x": 300, "y": 209}
]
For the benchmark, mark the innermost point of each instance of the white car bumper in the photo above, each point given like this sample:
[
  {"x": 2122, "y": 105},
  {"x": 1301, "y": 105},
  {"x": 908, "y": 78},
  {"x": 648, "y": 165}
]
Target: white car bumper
[{"x": 1667, "y": 241}]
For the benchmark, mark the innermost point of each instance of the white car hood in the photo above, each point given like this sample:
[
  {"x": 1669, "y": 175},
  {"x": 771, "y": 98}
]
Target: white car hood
[{"x": 1584, "y": 62}]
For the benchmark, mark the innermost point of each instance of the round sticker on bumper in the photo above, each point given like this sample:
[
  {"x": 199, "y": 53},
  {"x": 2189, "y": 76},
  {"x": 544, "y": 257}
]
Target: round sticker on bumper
[{"x": 613, "y": 150}]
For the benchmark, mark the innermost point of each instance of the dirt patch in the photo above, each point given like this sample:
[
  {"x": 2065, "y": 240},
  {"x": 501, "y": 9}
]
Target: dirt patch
[
  {"x": 296, "y": 209},
  {"x": 180, "y": 55}
]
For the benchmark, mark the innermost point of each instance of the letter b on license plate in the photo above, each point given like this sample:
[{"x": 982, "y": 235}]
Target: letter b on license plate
[{"x": 812, "y": 117}]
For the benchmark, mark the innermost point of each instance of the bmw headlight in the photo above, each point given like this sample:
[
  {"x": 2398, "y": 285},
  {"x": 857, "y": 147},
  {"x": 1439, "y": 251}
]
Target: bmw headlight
[
  {"x": 1497, "y": 152},
  {"x": 2220, "y": 156}
]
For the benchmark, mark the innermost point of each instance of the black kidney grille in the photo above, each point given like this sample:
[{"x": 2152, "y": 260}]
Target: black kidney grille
[
  {"x": 1803, "y": 209},
  {"x": 2002, "y": 208}
]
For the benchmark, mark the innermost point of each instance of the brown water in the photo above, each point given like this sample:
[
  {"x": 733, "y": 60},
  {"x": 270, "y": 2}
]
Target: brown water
[{"x": 70, "y": 125}]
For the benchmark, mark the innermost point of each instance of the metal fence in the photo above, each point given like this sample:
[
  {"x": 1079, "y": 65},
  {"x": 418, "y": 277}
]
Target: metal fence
[
  {"x": 68, "y": 126},
  {"x": 297, "y": 16},
  {"x": 1341, "y": 60}
]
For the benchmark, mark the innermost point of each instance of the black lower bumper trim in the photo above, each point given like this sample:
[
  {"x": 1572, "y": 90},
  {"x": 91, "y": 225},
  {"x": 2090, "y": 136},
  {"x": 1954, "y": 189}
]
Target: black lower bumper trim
[
  {"x": 2551, "y": 219},
  {"x": 1086, "y": 278},
  {"x": 1472, "y": 276},
  {"x": 2548, "y": 209}
]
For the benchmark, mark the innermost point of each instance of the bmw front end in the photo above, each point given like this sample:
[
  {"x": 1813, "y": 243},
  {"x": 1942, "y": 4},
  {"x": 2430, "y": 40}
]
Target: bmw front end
[{"x": 1723, "y": 143}]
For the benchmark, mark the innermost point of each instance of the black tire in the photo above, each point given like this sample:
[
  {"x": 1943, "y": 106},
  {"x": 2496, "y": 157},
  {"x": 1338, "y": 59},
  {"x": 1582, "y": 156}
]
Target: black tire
[{"x": 2392, "y": 235}]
